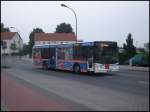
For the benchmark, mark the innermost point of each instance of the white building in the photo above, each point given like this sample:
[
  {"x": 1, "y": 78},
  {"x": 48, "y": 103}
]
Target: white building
[
  {"x": 11, "y": 38},
  {"x": 53, "y": 38}
]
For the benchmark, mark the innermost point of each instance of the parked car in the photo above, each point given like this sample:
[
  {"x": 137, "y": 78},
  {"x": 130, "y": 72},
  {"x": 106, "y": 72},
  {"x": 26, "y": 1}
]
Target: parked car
[{"x": 139, "y": 60}]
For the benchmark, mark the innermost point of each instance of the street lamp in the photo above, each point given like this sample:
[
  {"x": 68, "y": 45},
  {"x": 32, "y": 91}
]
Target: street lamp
[
  {"x": 19, "y": 41},
  {"x": 63, "y": 5}
]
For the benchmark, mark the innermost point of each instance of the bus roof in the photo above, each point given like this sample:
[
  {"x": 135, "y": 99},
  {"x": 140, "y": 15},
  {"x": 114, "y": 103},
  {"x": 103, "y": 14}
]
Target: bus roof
[{"x": 71, "y": 44}]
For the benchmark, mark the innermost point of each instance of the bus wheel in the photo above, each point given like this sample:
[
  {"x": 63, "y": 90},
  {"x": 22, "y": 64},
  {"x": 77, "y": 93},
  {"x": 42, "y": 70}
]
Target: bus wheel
[{"x": 76, "y": 68}]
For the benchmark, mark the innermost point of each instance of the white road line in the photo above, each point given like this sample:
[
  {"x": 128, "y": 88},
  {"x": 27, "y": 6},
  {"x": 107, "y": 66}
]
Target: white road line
[{"x": 143, "y": 82}]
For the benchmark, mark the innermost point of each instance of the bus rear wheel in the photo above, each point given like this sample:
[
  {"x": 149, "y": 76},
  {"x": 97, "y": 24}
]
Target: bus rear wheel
[{"x": 76, "y": 68}]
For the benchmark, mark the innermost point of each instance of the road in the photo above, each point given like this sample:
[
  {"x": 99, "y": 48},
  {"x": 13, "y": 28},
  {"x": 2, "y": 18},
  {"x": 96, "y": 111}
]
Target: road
[{"x": 25, "y": 87}]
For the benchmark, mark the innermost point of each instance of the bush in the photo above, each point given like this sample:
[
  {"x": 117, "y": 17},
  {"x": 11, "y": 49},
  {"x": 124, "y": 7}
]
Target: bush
[{"x": 122, "y": 58}]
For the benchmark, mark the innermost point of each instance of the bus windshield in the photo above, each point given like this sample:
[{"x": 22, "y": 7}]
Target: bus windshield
[{"x": 106, "y": 52}]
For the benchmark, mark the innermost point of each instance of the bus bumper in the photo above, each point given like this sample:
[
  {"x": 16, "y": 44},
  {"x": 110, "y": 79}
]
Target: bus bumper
[{"x": 101, "y": 68}]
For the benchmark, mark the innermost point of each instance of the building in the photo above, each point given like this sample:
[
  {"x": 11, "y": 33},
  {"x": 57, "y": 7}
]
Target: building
[
  {"x": 54, "y": 38},
  {"x": 146, "y": 47},
  {"x": 11, "y": 38}
]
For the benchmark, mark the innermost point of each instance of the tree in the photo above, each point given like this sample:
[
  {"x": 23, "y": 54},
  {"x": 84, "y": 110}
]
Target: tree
[
  {"x": 31, "y": 38},
  {"x": 64, "y": 28},
  {"x": 13, "y": 47},
  {"x": 130, "y": 49},
  {"x": 3, "y": 29},
  {"x": 25, "y": 49}
]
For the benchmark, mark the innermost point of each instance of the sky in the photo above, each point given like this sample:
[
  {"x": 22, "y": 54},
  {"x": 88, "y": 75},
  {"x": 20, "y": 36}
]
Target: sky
[{"x": 97, "y": 20}]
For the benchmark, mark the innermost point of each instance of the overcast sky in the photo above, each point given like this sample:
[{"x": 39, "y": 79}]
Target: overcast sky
[{"x": 97, "y": 20}]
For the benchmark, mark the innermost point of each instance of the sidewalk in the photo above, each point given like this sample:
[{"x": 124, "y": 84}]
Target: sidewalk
[
  {"x": 134, "y": 68},
  {"x": 27, "y": 99}
]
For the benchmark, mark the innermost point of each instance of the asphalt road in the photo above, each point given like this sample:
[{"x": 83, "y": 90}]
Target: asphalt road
[{"x": 123, "y": 90}]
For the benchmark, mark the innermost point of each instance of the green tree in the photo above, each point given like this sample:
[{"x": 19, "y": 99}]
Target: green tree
[
  {"x": 25, "y": 49},
  {"x": 13, "y": 47},
  {"x": 64, "y": 28},
  {"x": 31, "y": 38},
  {"x": 3, "y": 29},
  {"x": 122, "y": 58},
  {"x": 130, "y": 49}
]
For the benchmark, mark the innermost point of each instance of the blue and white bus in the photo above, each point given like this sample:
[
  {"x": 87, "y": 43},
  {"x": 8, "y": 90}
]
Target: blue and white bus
[{"x": 96, "y": 57}]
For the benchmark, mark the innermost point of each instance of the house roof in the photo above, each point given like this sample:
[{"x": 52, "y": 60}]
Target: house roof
[
  {"x": 54, "y": 37},
  {"x": 7, "y": 35}
]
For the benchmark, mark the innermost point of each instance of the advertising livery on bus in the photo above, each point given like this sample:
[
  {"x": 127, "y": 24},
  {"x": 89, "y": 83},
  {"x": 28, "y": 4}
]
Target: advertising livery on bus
[{"x": 96, "y": 57}]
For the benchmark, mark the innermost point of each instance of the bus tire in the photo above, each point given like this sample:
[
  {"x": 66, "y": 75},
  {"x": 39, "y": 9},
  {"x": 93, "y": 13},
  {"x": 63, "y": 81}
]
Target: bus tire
[{"x": 76, "y": 68}]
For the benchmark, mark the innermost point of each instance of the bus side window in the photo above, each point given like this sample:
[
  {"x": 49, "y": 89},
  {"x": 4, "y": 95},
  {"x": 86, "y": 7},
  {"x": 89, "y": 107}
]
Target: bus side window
[
  {"x": 60, "y": 53},
  {"x": 68, "y": 53},
  {"x": 77, "y": 52}
]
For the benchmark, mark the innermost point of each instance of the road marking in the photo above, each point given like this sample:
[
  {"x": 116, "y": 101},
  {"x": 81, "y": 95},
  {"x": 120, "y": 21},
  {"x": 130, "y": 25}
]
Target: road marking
[{"x": 143, "y": 82}]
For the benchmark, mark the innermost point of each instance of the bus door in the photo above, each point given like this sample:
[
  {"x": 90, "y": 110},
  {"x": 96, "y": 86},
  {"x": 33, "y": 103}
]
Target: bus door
[
  {"x": 87, "y": 53},
  {"x": 90, "y": 62},
  {"x": 52, "y": 58}
]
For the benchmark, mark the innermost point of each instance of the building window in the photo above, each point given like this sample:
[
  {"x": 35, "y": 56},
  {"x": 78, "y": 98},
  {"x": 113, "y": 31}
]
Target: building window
[{"x": 4, "y": 44}]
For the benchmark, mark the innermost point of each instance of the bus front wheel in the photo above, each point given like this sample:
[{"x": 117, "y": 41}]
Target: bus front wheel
[{"x": 76, "y": 68}]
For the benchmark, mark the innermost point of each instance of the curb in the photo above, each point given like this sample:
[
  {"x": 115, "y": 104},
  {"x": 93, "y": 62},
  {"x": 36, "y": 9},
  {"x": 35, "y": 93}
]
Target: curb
[
  {"x": 140, "y": 70},
  {"x": 131, "y": 68}
]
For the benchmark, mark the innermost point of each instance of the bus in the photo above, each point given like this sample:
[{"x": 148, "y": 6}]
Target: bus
[{"x": 96, "y": 57}]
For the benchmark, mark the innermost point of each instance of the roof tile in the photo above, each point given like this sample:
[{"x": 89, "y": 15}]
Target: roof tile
[
  {"x": 54, "y": 37},
  {"x": 7, "y": 35}
]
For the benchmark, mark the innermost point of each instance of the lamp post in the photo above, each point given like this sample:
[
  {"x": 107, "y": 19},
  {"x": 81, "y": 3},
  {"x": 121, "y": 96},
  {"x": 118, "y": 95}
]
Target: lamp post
[
  {"x": 19, "y": 41},
  {"x": 63, "y": 5}
]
